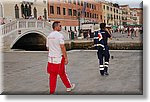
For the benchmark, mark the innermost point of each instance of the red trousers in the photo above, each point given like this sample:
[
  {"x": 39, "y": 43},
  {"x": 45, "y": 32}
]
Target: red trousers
[{"x": 54, "y": 70}]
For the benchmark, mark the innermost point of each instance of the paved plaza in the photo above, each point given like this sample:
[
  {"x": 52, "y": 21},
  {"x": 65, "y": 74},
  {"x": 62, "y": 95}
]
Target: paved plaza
[
  {"x": 25, "y": 73},
  {"x": 124, "y": 37}
]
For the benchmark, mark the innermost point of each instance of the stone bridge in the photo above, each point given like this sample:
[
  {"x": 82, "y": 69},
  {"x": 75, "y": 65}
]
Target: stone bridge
[{"x": 27, "y": 34}]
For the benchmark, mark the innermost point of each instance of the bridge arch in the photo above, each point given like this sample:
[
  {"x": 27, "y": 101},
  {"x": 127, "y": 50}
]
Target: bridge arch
[{"x": 30, "y": 40}]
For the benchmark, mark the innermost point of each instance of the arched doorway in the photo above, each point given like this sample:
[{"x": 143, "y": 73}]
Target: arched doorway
[{"x": 31, "y": 42}]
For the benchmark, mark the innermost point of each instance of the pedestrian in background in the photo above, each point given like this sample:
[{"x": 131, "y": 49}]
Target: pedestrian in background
[
  {"x": 100, "y": 43},
  {"x": 128, "y": 30},
  {"x": 132, "y": 32},
  {"x": 57, "y": 58}
]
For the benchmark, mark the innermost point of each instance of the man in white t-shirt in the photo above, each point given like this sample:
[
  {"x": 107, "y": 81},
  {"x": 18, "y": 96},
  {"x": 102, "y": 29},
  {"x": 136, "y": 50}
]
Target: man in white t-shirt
[{"x": 57, "y": 58}]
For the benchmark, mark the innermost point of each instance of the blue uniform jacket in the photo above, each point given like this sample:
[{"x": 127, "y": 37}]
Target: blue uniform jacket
[{"x": 100, "y": 39}]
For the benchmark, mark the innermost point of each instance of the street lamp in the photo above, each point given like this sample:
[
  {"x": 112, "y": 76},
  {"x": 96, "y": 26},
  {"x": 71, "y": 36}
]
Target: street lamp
[{"x": 78, "y": 17}]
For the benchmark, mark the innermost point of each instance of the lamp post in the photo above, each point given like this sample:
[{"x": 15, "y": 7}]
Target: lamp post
[{"x": 78, "y": 17}]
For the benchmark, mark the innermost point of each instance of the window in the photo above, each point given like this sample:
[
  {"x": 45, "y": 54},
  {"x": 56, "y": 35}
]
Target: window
[
  {"x": 65, "y": 28},
  {"x": 45, "y": 14},
  {"x": 111, "y": 17},
  {"x": 104, "y": 7},
  {"x": 101, "y": 16},
  {"x": 111, "y": 9},
  {"x": 70, "y": 12},
  {"x": 69, "y": 1},
  {"x": 92, "y": 15},
  {"x": 58, "y": 10},
  {"x": 74, "y": 12},
  {"x": 64, "y": 11},
  {"x": 51, "y": 9},
  {"x": 1, "y": 10},
  {"x": 87, "y": 5},
  {"x": 117, "y": 11},
  {"x": 16, "y": 11},
  {"x": 92, "y": 6},
  {"x": 78, "y": 2},
  {"x": 35, "y": 13},
  {"x": 107, "y": 7},
  {"x": 87, "y": 14},
  {"x": 74, "y": 2},
  {"x": 81, "y": 3}
]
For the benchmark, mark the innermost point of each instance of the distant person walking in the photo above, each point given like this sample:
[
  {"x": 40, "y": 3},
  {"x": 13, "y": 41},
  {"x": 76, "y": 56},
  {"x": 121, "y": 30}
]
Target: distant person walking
[
  {"x": 57, "y": 58},
  {"x": 128, "y": 30},
  {"x": 100, "y": 43},
  {"x": 132, "y": 32}
]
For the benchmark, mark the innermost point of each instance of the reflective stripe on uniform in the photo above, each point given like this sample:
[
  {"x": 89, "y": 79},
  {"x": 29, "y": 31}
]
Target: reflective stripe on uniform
[
  {"x": 99, "y": 45},
  {"x": 101, "y": 68},
  {"x": 106, "y": 63},
  {"x": 102, "y": 32},
  {"x": 96, "y": 37}
]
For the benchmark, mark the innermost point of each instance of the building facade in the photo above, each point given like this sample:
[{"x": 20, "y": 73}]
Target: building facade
[
  {"x": 131, "y": 16},
  {"x": 72, "y": 13},
  {"x": 125, "y": 14},
  {"x": 137, "y": 16},
  {"x": 112, "y": 14},
  {"x": 19, "y": 9}
]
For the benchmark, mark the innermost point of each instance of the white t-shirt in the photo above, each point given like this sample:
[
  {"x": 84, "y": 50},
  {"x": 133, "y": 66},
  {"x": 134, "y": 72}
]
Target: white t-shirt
[{"x": 54, "y": 40}]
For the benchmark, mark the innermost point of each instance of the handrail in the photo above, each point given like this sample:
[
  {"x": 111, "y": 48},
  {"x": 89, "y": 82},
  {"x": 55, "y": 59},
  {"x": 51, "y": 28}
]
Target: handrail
[{"x": 24, "y": 23}]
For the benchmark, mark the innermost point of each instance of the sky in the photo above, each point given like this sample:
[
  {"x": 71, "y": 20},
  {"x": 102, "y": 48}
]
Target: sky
[{"x": 131, "y": 3}]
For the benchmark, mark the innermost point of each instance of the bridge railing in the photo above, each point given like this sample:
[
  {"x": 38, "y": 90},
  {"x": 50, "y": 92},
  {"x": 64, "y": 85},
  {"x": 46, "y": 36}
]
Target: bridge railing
[{"x": 23, "y": 24}]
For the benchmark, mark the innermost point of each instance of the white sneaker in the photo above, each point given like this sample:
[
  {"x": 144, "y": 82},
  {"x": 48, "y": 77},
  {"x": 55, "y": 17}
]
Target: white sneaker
[{"x": 70, "y": 89}]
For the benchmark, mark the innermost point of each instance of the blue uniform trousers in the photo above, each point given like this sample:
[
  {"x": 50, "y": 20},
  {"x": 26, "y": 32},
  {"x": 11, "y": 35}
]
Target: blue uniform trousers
[{"x": 103, "y": 54}]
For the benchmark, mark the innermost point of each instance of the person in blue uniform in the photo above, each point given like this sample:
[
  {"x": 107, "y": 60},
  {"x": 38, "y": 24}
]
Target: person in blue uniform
[{"x": 100, "y": 43}]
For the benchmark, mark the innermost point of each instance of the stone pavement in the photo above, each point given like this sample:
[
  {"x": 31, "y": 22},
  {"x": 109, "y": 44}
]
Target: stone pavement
[
  {"x": 118, "y": 37},
  {"x": 124, "y": 37},
  {"x": 25, "y": 73}
]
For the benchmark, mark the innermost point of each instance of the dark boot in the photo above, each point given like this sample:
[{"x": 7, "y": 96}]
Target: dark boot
[
  {"x": 106, "y": 68},
  {"x": 106, "y": 71},
  {"x": 102, "y": 72},
  {"x": 101, "y": 68}
]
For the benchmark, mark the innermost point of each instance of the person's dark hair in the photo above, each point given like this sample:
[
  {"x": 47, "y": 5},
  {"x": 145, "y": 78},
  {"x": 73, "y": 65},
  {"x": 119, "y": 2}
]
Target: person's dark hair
[
  {"x": 55, "y": 24},
  {"x": 102, "y": 25}
]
